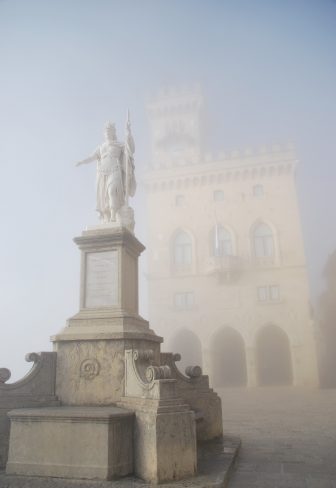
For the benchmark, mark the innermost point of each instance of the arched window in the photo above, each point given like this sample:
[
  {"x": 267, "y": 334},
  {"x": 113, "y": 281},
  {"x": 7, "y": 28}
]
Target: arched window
[
  {"x": 179, "y": 200},
  {"x": 263, "y": 241},
  {"x": 221, "y": 244},
  {"x": 182, "y": 249}
]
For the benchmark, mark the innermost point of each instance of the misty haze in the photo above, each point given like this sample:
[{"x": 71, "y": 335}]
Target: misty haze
[{"x": 220, "y": 117}]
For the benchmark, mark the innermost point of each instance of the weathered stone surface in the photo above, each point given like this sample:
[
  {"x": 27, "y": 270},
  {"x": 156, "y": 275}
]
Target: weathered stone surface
[
  {"x": 122, "y": 275},
  {"x": 90, "y": 349},
  {"x": 92, "y": 372},
  {"x": 196, "y": 392},
  {"x": 117, "y": 315},
  {"x": 215, "y": 461},
  {"x": 71, "y": 442},
  {"x": 105, "y": 355},
  {"x": 102, "y": 278},
  {"x": 165, "y": 432},
  {"x": 36, "y": 389},
  {"x": 165, "y": 442}
]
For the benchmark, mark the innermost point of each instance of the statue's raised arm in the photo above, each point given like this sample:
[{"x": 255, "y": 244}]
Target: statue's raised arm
[
  {"x": 90, "y": 159},
  {"x": 115, "y": 177}
]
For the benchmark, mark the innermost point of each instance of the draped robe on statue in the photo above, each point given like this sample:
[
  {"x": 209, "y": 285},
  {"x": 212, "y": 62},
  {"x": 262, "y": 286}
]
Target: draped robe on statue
[{"x": 110, "y": 176}]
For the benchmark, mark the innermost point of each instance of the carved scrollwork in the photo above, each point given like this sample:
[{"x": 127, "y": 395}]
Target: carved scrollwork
[
  {"x": 147, "y": 355},
  {"x": 5, "y": 374},
  {"x": 193, "y": 371},
  {"x": 151, "y": 373},
  {"x": 157, "y": 373},
  {"x": 176, "y": 357},
  {"x": 32, "y": 357},
  {"x": 89, "y": 368}
]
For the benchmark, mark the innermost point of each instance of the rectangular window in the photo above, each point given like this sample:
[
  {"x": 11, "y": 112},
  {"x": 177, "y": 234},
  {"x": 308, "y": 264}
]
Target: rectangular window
[
  {"x": 179, "y": 200},
  {"x": 268, "y": 293},
  {"x": 218, "y": 195},
  {"x": 184, "y": 301},
  {"x": 258, "y": 191},
  {"x": 262, "y": 293},
  {"x": 274, "y": 293}
]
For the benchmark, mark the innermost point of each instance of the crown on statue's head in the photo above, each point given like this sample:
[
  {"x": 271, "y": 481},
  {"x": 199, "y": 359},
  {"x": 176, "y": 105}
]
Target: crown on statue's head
[{"x": 109, "y": 125}]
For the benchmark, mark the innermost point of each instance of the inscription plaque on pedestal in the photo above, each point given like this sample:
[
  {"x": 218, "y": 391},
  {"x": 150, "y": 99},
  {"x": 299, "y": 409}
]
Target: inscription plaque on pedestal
[{"x": 101, "y": 280}]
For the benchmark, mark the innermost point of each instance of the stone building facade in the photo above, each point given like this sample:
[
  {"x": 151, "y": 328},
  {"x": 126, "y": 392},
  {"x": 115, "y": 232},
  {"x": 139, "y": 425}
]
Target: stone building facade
[{"x": 227, "y": 276}]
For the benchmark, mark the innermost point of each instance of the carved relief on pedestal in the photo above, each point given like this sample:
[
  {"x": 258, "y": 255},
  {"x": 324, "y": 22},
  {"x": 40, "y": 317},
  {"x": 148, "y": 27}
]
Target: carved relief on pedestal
[
  {"x": 89, "y": 368},
  {"x": 90, "y": 372}
]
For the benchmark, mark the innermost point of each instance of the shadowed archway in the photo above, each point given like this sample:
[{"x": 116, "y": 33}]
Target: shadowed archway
[
  {"x": 273, "y": 357},
  {"x": 189, "y": 346},
  {"x": 229, "y": 358}
]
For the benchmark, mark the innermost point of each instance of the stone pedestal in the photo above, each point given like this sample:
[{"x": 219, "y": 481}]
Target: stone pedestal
[
  {"x": 36, "y": 389},
  {"x": 90, "y": 349},
  {"x": 164, "y": 429},
  {"x": 106, "y": 355},
  {"x": 71, "y": 442}
]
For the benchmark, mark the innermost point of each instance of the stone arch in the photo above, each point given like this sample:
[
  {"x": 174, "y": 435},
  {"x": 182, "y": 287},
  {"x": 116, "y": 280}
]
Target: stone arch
[
  {"x": 187, "y": 343},
  {"x": 228, "y": 358},
  {"x": 273, "y": 357}
]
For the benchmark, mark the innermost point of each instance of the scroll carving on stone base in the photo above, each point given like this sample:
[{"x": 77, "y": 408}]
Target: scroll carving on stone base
[{"x": 5, "y": 374}]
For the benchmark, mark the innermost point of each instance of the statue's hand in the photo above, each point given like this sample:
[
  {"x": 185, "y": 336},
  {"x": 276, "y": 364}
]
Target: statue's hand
[{"x": 78, "y": 163}]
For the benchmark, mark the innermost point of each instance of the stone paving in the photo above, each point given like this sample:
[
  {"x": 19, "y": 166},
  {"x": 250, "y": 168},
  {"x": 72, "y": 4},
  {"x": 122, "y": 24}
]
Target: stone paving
[{"x": 288, "y": 437}]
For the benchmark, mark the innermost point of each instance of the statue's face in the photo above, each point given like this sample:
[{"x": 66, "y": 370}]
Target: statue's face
[{"x": 110, "y": 133}]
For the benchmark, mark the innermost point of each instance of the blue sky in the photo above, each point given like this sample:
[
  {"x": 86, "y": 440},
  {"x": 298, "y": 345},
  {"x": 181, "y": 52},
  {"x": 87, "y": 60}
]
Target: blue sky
[{"x": 268, "y": 73}]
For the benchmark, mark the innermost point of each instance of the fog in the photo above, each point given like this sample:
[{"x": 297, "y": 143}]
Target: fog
[{"x": 267, "y": 74}]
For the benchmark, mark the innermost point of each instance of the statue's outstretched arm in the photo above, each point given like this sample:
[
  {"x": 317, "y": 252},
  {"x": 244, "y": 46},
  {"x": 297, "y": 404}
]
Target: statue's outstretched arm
[{"x": 90, "y": 159}]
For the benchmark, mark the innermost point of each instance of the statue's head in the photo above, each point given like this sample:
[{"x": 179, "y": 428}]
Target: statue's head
[{"x": 110, "y": 131}]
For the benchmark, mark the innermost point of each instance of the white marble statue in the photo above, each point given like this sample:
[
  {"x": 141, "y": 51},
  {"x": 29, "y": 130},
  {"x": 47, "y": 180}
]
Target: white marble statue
[{"x": 115, "y": 174}]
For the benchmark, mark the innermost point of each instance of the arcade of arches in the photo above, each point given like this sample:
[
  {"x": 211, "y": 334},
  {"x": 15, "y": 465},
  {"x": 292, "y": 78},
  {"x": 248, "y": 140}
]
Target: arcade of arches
[{"x": 228, "y": 360}]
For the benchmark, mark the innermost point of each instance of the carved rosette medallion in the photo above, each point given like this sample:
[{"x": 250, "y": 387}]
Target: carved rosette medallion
[{"x": 89, "y": 368}]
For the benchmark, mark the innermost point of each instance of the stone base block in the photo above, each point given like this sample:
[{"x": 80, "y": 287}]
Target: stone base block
[
  {"x": 215, "y": 462},
  {"x": 92, "y": 372},
  {"x": 71, "y": 442},
  {"x": 164, "y": 440}
]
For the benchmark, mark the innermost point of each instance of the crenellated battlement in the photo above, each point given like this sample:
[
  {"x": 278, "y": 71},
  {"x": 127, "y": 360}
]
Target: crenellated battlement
[
  {"x": 177, "y": 138},
  {"x": 172, "y": 100},
  {"x": 275, "y": 153},
  {"x": 253, "y": 164}
]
